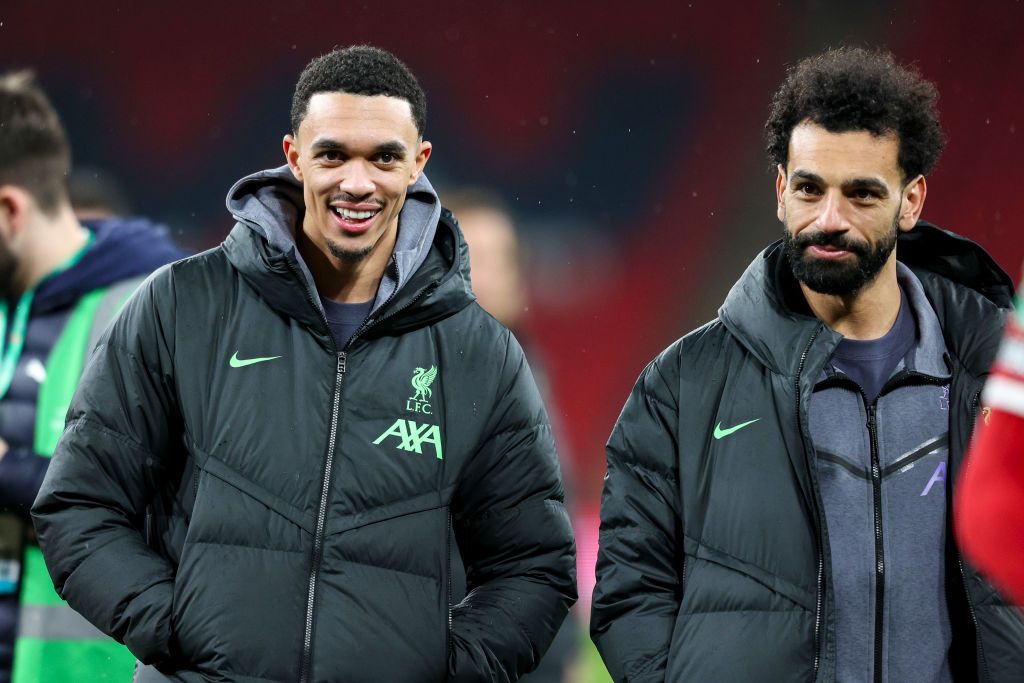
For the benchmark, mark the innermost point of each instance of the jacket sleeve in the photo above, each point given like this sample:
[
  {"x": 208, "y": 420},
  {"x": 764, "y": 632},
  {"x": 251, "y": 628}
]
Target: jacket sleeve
[
  {"x": 514, "y": 535},
  {"x": 21, "y": 474},
  {"x": 90, "y": 510},
  {"x": 639, "y": 582}
]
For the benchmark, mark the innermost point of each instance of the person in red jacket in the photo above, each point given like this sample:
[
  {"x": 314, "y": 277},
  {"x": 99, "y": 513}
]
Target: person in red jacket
[{"x": 989, "y": 500}]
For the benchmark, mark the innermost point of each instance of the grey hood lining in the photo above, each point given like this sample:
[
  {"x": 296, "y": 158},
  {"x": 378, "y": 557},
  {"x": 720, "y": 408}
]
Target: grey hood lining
[{"x": 928, "y": 355}]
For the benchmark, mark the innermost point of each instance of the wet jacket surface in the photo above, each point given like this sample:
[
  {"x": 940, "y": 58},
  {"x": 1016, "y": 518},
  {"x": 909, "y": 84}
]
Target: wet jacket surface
[
  {"x": 714, "y": 561},
  {"x": 298, "y": 507}
]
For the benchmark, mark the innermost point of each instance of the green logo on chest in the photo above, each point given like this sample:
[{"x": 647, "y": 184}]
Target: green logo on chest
[
  {"x": 411, "y": 437},
  {"x": 419, "y": 402},
  {"x": 721, "y": 433}
]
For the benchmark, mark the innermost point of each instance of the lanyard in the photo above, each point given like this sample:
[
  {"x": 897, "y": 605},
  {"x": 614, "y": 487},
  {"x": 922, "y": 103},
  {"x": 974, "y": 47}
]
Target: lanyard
[{"x": 13, "y": 340}]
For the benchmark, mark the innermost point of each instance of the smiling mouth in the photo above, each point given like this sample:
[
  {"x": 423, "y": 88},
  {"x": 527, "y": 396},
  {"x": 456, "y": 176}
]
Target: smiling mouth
[
  {"x": 354, "y": 221},
  {"x": 354, "y": 215}
]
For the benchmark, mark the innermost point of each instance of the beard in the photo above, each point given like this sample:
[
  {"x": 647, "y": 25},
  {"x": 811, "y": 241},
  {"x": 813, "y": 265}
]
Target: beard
[
  {"x": 839, "y": 278},
  {"x": 350, "y": 256},
  {"x": 8, "y": 269}
]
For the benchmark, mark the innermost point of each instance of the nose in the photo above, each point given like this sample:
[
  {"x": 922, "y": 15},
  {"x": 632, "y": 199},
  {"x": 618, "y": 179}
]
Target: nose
[
  {"x": 357, "y": 179},
  {"x": 831, "y": 218}
]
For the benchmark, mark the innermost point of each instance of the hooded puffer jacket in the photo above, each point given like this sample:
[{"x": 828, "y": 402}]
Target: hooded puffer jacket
[
  {"x": 235, "y": 498},
  {"x": 714, "y": 558}
]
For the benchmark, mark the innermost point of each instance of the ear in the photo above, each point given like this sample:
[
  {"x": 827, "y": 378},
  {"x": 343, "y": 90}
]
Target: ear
[
  {"x": 780, "y": 190},
  {"x": 912, "y": 203},
  {"x": 291, "y": 155},
  {"x": 15, "y": 208},
  {"x": 420, "y": 161}
]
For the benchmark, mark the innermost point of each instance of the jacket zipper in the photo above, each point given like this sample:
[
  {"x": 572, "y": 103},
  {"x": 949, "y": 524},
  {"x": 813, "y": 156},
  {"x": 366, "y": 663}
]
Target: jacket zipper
[
  {"x": 372, "y": 322},
  {"x": 318, "y": 537},
  {"x": 305, "y": 665},
  {"x": 819, "y": 598},
  {"x": 448, "y": 556},
  {"x": 307, "y": 643},
  {"x": 982, "y": 662},
  {"x": 314, "y": 572},
  {"x": 876, "y": 495}
]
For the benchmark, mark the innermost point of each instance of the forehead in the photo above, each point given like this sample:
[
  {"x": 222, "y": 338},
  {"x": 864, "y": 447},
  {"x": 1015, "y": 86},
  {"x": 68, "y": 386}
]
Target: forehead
[
  {"x": 348, "y": 117},
  {"x": 839, "y": 156}
]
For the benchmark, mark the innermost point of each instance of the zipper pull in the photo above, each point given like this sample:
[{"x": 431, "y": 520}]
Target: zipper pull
[
  {"x": 341, "y": 362},
  {"x": 871, "y": 415}
]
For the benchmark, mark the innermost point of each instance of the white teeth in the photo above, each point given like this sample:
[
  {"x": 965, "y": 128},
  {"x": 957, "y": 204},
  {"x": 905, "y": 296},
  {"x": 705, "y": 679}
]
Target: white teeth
[{"x": 353, "y": 215}]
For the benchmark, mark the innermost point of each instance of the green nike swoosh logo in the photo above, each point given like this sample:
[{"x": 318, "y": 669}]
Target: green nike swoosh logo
[
  {"x": 237, "y": 362},
  {"x": 719, "y": 432}
]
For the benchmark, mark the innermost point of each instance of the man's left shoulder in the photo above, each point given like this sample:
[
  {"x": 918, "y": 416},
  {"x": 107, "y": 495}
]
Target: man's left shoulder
[{"x": 474, "y": 327}]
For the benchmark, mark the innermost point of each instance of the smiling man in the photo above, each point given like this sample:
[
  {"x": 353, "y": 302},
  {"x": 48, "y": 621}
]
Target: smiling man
[
  {"x": 776, "y": 506},
  {"x": 285, "y": 443}
]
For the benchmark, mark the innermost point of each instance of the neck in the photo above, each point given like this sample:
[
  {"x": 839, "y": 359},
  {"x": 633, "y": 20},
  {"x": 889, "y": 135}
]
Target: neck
[
  {"x": 50, "y": 245},
  {"x": 868, "y": 314},
  {"x": 345, "y": 281}
]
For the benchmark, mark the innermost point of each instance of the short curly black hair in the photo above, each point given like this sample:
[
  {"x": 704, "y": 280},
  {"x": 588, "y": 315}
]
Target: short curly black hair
[
  {"x": 851, "y": 88},
  {"x": 359, "y": 70}
]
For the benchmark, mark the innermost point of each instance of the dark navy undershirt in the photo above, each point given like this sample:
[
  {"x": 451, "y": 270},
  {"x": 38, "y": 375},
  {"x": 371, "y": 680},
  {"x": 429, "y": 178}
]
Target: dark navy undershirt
[
  {"x": 870, "y": 362},
  {"x": 345, "y": 319}
]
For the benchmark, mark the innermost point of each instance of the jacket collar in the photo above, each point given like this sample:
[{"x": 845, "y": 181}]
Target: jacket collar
[
  {"x": 965, "y": 287},
  {"x": 266, "y": 256}
]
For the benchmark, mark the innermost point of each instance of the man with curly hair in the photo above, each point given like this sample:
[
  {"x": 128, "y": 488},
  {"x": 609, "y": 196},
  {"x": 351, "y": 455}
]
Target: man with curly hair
[
  {"x": 776, "y": 506},
  {"x": 286, "y": 444}
]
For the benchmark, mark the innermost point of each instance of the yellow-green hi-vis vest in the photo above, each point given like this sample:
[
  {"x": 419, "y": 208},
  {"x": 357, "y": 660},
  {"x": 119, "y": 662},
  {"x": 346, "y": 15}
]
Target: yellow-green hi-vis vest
[{"x": 55, "y": 644}]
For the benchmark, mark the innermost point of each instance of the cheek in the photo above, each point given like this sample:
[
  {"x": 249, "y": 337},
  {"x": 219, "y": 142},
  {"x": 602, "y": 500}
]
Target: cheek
[
  {"x": 394, "y": 188},
  {"x": 318, "y": 187},
  {"x": 309, "y": 197},
  {"x": 797, "y": 215}
]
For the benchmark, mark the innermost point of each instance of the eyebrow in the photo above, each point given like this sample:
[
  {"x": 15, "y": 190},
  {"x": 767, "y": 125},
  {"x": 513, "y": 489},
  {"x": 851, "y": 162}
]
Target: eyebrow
[
  {"x": 393, "y": 147},
  {"x": 873, "y": 184}
]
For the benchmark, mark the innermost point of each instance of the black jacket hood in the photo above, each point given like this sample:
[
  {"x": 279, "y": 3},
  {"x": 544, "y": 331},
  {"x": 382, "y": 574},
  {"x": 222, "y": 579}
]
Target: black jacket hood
[
  {"x": 268, "y": 205},
  {"x": 963, "y": 282}
]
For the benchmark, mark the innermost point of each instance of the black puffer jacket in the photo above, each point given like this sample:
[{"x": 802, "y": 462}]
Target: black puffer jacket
[
  {"x": 714, "y": 561},
  {"x": 299, "y": 505}
]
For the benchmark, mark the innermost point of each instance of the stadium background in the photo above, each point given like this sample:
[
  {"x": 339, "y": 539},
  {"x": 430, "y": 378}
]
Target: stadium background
[{"x": 625, "y": 136}]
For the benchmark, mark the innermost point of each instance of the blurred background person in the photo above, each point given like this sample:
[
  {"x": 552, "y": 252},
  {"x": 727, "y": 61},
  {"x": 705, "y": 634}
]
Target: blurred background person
[
  {"x": 61, "y": 281},
  {"x": 495, "y": 253},
  {"x": 497, "y": 260},
  {"x": 97, "y": 194}
]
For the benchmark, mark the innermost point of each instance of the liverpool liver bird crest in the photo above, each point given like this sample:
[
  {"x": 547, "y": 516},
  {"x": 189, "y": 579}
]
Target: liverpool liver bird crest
[{"x": 421, "y": 381}]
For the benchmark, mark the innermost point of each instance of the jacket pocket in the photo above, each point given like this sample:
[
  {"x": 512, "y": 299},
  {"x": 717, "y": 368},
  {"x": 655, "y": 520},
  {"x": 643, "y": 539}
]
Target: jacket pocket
[
  {"x": 383, "y": 600},
  {"x": 241, "y": 584},
  {"x": 737, "y": 622}
]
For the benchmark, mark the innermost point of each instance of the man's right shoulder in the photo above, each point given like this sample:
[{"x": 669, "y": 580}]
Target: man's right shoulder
[
  {"x": 692, "y": 357},
  {"x": 200, "y": 270},
  {"x": 695, "y": 348}
]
